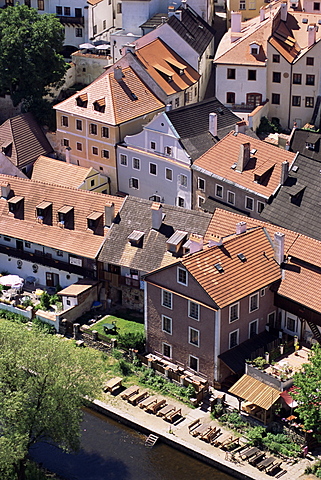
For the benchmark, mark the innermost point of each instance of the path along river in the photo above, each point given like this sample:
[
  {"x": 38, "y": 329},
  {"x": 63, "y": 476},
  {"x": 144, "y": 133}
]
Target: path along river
[{"x": 112, "y": 451}]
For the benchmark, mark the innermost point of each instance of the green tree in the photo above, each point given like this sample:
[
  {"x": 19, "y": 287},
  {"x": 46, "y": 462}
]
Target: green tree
[
  {"x": 307, "y": 392},
  {"x": 43, "y": 385},
  {"x": 30, "y": 62}
]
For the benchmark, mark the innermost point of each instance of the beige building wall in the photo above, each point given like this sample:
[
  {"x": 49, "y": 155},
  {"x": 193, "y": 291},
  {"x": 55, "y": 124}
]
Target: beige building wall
[{"x": 248, "y": 8}]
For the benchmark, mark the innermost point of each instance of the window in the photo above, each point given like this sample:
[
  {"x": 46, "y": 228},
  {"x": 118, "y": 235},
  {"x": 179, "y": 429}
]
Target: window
[
  {"x": 253, "y": 99},
  {"x": 167, "y": 324},
  {"x": 177, "y": 102},
  {"x": 262, "y": 293},
  {"x": 233, "y": 339},
  {"x": 219, "y": 191},
  {"x": 78, "y": 32},
  {"x": 310, "y": 61},
  {"x": 79, "y": 146},
  {"x": 169, "y": 174},
  {"x": 316, "y": 6},
  {"x": 79, "y": 124},
  {"x": 309, "y": 102},
  {"x": 7, "y": 239},
  {"x": 166, "y": 299},
  {"x": 92, "y": 183},
  {"x": 153, "y": 145},
  {"x": 271, "y": 319},
  {"x": 242, "y": 5},
  {"x": 67, "y": 11},
  {"x": 201, "y": 184},
  {"x": 309, "y": 79},
  {"x": 183, "y": 180},
  {"x": 95, "y": 29},
  {"x": 260, "y": 206},
  {"x": 78, "y": 12},
  {"x": 180, "y": 202},
  {"x": 136, "y": 163},
  {"x": 167, "y": 350},
  {"x": 251, "y": 74},
  {"x": 253, "y": 328},
  {"x": 64, "y": 121},
  {"x": 28, "y": 3},
  {"x": 254, "y": 302},
  {"x": 105, "y": 132},
  {"x": 123, "y": 160},
  {"x": 95, "y": 151},
  {"x": 249, "y": 202},
  {"x": 168, "y": 150},
  {"x": 193, "y": 336},
  {"x": 58, "y": 10},
  {"x": 153, "y": 168},
  {"x": 133, "y": 183},
  {"x": 200, "y": 201},
  {"x": 291, "y": 324},
  {"x": 276, "y": 78},
  {"x": 105, "y": 153},
  {"x": 119, "y": 9},
  {"x": 65, "y": 142},
  {"x": 296, "y": 101},
  {"x": 193, "y": 310},
  {"x": 104, "y": 24},
  {"x": 231, "y": 73},
  {"x": 193, "y": 363},
  {"x": 234, "y": 312},
  {"x": 27, "y": 244},
  {"x": 275, "y": 58},
  {"x": 276, "y": 98},
  {"x": 93, "y": 129},
  {"x": 230, "y": 97},
  {"x": 254, "y": 51},
  {"x": 41, "y": 5},
  {"x": 252, "y": 5},
  {"x": 181, "y": 276},
  {"x": 231, "y": 198},
  {"x": 297, "y": 78}
]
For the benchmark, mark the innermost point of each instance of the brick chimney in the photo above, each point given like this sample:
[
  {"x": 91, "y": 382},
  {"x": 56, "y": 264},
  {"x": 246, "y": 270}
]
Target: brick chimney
[
  {"x": 157, "y": 215},
  {"x": 284, "y": 172},
  {"x": 284, "y": 11},
  {"x": 196, "y": 243},
  {"x": 244, "y": 156},
  {"x": 240, "y": 228},
  {"x": 212, "y": 124},
  {"x": 279, "y": 247},
  {"x": 118, "y": 74},
  {"x": 214, "y": 240},
  {"x": 109, "y": 213},
  {"x": 5, "y": 189},
  {"x": 312, "y": 34}
]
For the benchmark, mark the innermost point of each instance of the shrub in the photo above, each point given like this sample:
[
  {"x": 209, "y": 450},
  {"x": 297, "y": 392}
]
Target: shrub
[
  {"x": 282, "y": 444},
  {"x": 43, "y": 326},
  {"x": 45, "y": 301},
  {"x": 132, "y": 340},
  {"x": 217, "y": 411},
  {"x": 13, "y": 317},
  {"x": 124, "y": 367},
  {"x": 254, "y": 435},
  {"x": 234, "y": 421},
  {"x": 259, "y": 362}
]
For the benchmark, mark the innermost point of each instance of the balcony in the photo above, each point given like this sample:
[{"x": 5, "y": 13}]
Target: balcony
[
  {"x": 117, "y": 280},
  {"x": 65, "y": 20}
]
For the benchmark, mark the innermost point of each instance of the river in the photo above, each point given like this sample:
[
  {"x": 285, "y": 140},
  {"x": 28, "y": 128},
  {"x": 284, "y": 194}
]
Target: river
[{"x": 112, "y": 451}]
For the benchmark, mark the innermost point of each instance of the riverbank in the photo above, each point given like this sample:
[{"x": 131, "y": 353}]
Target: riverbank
[{"x": 177, "y": 435}]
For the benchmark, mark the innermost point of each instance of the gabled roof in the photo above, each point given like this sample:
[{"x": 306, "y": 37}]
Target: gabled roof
[
  {"x": 59, "y": 173},
  {"x": 22, "y": 140},
  {"x": 136, "y": 214},
  {"x": 237, "y": 279},
  {"x": 155, "y": 21},
  {"x": 125, "y": 100},
  {"x": 164, "y": 65},
  {"x": 193, "y": 29},
  {"x": 298, "y": 208},
  {"x": 79, "y": 240},
  {"x": 261, "y": 175},
  {"x": 299, "y": 140}
]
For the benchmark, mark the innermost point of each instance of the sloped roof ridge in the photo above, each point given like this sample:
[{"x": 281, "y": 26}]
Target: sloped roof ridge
[{"x": 168, "y": 207}]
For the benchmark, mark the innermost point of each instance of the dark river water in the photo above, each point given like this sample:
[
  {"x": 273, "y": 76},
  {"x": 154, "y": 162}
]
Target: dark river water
[{"x": 112, "y": 451}]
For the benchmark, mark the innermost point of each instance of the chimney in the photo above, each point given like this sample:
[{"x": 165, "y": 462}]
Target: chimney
[
  {"x": 109, "y": 213},
  {"x": 312, "y": 34},
  {"x": 262, "y": 14},
  {"x": 212, "y": 124},
  {"x": 284, "y": 172},
  {"x": 184, "y": 4},
  {"x": 215, "y": 240},
  {"x": 118, "y": 74},
  {"x": 240, "y": 127},
  {"x": 236, "y": 18},
  {"x": 130, "y": 47},
  {"x": 168, "y": 107},
  {"x": 68, "y": 154},
  {"x": 196, "y": 243},
  {"x": 157, "y": 215},
  {"x": 244, "y": 156},
  {"x": 171, "y": 10},
  {"x": 178, "y": 14},
  {"x": 240, "y": 228},
  {"x": 5, "y": 189},
  {"x": 284, "y": 11},
  {"x": 279, "y": 247}
]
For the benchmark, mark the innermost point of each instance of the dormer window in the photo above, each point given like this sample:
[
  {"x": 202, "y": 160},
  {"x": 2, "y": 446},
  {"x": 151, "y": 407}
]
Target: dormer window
[
  {"x": 310, "y": 146},
  {"x": 44, "y": 212},
  {"x": 100, "y": 105},
  {"x": 93, "y": 220},
  {"x": 254, "y": 48},
  {"x": 136, "y": 238},
  {"x": 7, "y": 150},
  {"x": 14, "y": 203},
  {"x": 65, "y": 217},
  {"x": 82, "y": 100},
  {"x": 176, "y": 241}
]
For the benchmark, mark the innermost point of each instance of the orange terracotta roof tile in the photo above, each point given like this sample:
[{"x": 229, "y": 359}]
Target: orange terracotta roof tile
[
  {"x": 307, "y": 249},
  {"x": 219, "y": 159},
  {"x": 125, "y": 100},
  {"x": 237, "y": 278},
  {"x": 79, "y": 240},
  {"x": 58, "y": 172}
]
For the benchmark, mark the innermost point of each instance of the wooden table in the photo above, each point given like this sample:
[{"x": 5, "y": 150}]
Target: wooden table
[
  {"x": 129, "y": 391},
  {"x": 165, "y": 410},
  {"x": 148, "y": 401},
  {"x": 267, "y": 462},
  {"x": 112, "y": 384},
  {"x": 202, "y": 429},
  {"x": 249, "y": 453}
]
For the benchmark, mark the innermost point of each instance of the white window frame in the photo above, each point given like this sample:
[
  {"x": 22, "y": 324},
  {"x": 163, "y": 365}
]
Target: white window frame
[
  {"x": 170, "y": 348},
  {"x": 171, "y": 302},
  {"x": 168, "y": 150},
  {"x": 258, "y": 302},
  {"x": 257, "y": 327},
  {"x": 190, "y": 329},
  {"x": 183, "y": 180},
  {"x": 122, "y": 155},
  {"x": 252, "y": 200},
  {"x": 237, "y": 331},
  {"x": 200, "y": 200},
  {"x": 229, "y": 192},
  {"x": 64, "y": 118},
  {"x": 177, "y": 202},
  {"x": 258, "y": 203},
  {"x": 189, "y": 362},
  {"x": 180, "y": 269},
  {"x": 238, "y": 312},
  {"x": 81, "y": 124},
  {"x": 170, "y": 322},
  {"x": 152, "y": 141},
  {"x": 199, "y": 179},
  {"x": 216, "y": 188},
  {"x": 190, "y": 303},
  {"x": 150, "y": 173},
  {"x": 262, "y": 292},
  {"x": 170, "y": 170},
  {"x": 133, "y": 163},
  {"x": 131, "y": 183},
  {"x": 295, "y": 320}
]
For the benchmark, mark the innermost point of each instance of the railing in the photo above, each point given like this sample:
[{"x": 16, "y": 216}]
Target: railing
[
  {"x": 243, "y": 107},
  {"x": 117, "y": 280},
  {"x": 72, "y": 20}
]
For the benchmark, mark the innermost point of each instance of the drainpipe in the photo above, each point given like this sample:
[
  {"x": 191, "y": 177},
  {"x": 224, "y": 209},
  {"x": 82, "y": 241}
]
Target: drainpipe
[{"x": 290, "y": 99}]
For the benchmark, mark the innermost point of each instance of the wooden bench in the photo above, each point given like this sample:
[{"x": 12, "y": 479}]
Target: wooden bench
[
  {"x": 202, "y": 429},
  {"x": 171, "y": 415},
  {"x": 165, "y": 410},
  {"x": 134, "y": 399},
  {"x": 147, "y": 402},
  {"x": 113, "y": 384},
  {"x": 129, "y": 392},
  {"x": 156, "y": 406},
  {"x": 193, "y": 425}
]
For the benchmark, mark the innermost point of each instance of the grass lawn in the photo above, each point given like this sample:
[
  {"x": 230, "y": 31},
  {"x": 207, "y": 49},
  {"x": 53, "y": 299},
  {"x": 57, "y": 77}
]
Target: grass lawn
[{"x": 123, "y": 326}]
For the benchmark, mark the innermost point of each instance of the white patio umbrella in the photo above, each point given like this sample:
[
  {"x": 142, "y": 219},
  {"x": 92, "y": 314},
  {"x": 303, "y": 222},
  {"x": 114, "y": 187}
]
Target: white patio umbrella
[
  {"x": 13, "y": 281},
  {"x": 86, "y": 45}
]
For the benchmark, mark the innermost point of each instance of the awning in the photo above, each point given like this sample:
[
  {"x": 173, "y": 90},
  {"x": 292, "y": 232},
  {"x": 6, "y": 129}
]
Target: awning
[
  {"x": 86, "y": 45},
  {"x": 44, "y": 205},
  {"x": 94, "y": 216},
  {"x": 65, "y": 209},
  {"x": 288, "y": 399},
  {"x": 256, "y": 392}
]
